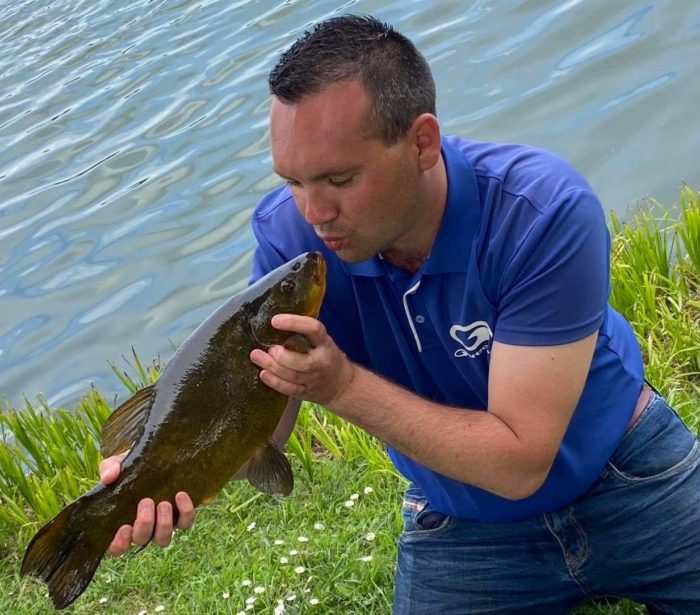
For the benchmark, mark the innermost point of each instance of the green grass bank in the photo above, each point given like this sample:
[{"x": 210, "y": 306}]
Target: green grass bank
[{"x": 329, "y": 548}]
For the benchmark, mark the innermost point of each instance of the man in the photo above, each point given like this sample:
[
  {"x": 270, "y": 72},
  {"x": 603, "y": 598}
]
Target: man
[{"x": 466, "y": 325}]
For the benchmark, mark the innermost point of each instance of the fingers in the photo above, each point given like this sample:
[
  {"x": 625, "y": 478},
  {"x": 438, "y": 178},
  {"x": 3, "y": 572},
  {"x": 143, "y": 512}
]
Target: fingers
[
  {"x": 110, "y": 468},
  {"x": 153, "y": 524},
  {"x": 283, "y": 386},
  {"x": 164, "y": 527},
  {"x": 310, "y": 328},
  {"x": 276, "y": 376},
  {"x": 145, "y": 522},
  {"x": 121, "y": 542},
  {"x": 286, "y": 364},
  {"x": 185, "y": 509}
]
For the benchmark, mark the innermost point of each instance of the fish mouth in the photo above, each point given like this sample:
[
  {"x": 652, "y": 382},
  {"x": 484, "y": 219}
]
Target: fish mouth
[{"x": 318, "y": 289}]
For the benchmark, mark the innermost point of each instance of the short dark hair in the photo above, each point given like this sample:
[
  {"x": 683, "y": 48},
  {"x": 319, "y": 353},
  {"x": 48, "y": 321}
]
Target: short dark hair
[{"x": 395, "y": 75}]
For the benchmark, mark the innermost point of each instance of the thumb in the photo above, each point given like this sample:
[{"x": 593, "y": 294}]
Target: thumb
[{"x": 111, "y": 467}]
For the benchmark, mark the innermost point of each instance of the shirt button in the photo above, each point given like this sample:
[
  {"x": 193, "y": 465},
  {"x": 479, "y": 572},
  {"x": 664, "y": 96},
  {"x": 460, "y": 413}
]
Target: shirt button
[{"x": 420, "y": 319}]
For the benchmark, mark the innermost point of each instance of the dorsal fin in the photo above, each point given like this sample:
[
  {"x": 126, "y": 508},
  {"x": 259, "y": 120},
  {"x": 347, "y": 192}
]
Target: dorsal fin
[{"x": 125, "y": 425}]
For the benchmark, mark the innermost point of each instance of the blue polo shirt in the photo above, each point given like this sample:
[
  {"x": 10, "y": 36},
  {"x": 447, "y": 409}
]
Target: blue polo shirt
[{"x": 522, "y": 257}]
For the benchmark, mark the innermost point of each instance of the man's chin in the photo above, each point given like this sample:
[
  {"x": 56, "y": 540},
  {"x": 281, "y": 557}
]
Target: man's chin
[{"x": 353, "y": 256}]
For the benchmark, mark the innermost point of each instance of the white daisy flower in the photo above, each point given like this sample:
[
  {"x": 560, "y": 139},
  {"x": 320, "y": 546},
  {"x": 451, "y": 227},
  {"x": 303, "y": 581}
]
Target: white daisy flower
[
  {"x": 303, "y": 539},
  {"x": 368, "y": 490},
  {"x": 299, "y": 569},
  {"x": 319, "y": 526},
  {"x": 313, "y": 601},
  {"x": 370, "y": 537}
]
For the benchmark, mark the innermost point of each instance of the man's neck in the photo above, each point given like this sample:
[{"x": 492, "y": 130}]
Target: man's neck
[
  {"x": 412, "y": 252},
  {"x": 406, "y": 261}
]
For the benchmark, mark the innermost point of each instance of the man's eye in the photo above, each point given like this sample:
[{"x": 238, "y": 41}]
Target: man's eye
[{"x": 339, "y": 181}]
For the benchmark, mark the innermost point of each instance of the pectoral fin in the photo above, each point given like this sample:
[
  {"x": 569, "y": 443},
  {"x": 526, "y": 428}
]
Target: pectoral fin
[
  {"x": 125, "y": 425},
  {"x": 269, "y": 470}
]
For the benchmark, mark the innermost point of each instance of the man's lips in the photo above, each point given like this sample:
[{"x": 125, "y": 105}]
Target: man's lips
[{"x": 333, "y": 242}]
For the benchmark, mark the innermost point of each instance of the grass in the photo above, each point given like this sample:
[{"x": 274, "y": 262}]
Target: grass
[
  {"x": 248, "y": 551},
  {"x": 655, "y": 276},
  {"x": 206, "y": 569}
]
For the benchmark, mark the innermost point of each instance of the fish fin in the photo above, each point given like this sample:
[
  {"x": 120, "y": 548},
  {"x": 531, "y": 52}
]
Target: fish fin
[
  {"x": 125, "y": 425},
  {"x": 298, "y": 343},
  {"x": 63, "y": 555},
  {"x": 269, "y": 470}
]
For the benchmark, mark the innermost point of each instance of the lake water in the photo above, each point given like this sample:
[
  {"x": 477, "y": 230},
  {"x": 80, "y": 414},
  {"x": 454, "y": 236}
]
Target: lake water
[{"x": 133, "y": 145}]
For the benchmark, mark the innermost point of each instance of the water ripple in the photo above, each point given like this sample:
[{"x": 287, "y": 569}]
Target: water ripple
[{"x": 134, "y": 144}]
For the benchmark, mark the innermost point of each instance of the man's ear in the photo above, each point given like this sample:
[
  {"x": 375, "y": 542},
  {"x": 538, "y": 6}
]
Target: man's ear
[{"x": 426, "y": 130}]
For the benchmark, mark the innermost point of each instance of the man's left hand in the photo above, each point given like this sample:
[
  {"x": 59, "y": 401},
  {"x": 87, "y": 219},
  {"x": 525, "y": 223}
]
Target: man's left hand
[{"x": 323, "y": 374}]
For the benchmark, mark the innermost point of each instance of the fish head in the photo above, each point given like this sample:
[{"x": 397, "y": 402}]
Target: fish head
[
  {"x": 301, "y": 285},
  {"x": 297, "y": 287}
]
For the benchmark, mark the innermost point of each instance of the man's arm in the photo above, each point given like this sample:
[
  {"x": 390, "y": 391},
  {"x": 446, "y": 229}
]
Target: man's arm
[{"x": 507, "y": 450}]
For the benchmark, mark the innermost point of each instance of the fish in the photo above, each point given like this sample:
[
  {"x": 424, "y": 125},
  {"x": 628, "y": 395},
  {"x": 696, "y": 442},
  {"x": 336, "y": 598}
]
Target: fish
[{"x": 203, "y": 419}]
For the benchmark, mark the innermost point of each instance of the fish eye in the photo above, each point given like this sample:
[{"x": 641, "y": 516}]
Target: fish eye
[
  {"x": 296, "y": 267},
  {"x": 287, "y": 286}
]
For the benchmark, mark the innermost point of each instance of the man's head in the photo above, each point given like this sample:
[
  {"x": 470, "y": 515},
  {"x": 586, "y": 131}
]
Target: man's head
[
  {"x": 394, "y": 74},
  {"x": 353, "y": 134}
]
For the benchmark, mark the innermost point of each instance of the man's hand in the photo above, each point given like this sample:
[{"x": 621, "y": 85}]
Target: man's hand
[
  {"x": 321, "y": 375},
  {"x": 152, "y": 522}
]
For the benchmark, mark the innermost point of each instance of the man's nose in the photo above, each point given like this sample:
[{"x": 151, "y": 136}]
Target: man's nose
[{"x": 316, "y": 208}]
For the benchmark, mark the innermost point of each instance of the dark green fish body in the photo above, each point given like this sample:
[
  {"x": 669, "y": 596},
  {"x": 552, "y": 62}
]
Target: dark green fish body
[{"x": 205, "y": 417}]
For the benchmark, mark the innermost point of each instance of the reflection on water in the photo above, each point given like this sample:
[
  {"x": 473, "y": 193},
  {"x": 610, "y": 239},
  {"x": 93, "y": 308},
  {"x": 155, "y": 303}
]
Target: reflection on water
[{"x": 134, "y": 145}]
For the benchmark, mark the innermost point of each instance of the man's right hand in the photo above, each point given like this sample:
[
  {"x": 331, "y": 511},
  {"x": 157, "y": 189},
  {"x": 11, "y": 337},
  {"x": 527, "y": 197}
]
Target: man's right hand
[{"x": 152, "y": 523}]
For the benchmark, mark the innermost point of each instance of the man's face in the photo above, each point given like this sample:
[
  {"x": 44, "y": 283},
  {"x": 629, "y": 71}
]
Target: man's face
[{"x": 358, "y": 193}]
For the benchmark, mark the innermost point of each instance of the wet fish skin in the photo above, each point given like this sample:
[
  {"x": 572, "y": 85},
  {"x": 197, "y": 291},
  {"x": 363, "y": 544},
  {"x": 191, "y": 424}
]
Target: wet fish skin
[{"x": 192, "y": 430}]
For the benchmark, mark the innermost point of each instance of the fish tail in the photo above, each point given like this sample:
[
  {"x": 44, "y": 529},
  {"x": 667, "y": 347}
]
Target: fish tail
[{"x": 64, "y": 555}]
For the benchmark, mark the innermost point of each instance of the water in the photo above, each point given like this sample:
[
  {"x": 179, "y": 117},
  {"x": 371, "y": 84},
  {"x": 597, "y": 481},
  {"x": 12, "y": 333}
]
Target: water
[{"x": 133, "y": 145}]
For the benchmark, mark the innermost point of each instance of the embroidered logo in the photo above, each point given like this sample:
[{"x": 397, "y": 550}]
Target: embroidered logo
[{"x": 473, "y": 338}]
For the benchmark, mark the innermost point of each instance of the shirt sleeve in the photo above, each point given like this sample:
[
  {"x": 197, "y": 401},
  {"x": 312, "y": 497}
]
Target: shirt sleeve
[
  {"x": 265, "y": 258},
  {"x": 273, "y": 231},
  {"x": 555, "y": 287}
]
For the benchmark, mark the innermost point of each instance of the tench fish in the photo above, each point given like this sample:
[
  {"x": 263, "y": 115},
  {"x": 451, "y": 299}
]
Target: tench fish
[{"x": 192, "y": 430}]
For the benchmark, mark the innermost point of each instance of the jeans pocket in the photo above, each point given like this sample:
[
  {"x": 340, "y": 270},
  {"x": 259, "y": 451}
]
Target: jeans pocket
[
  {"x": 659, "y": 445},
  {"x": 419, "y": 517}
]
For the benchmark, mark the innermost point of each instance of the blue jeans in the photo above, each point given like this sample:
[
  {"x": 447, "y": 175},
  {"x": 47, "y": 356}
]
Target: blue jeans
[{"x": 635, "y": 533}]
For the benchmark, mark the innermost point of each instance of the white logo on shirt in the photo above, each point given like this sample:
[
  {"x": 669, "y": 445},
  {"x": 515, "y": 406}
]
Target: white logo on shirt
[{"x": 474, "y": 338}]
